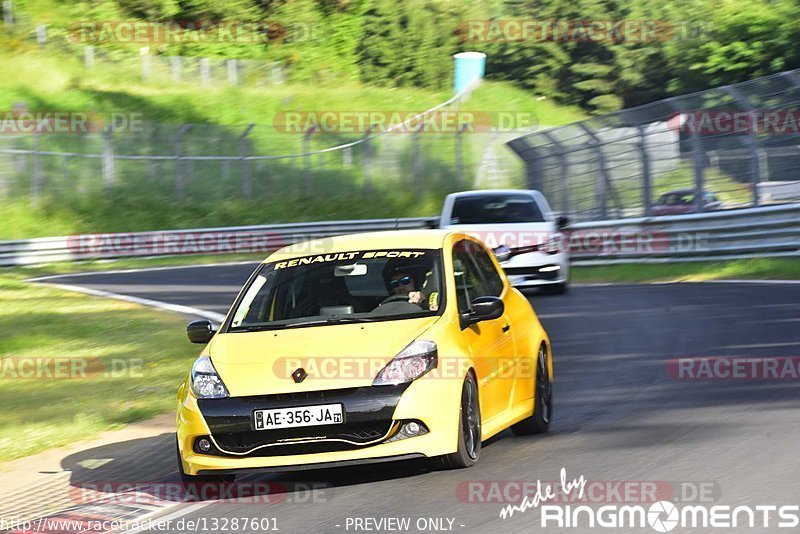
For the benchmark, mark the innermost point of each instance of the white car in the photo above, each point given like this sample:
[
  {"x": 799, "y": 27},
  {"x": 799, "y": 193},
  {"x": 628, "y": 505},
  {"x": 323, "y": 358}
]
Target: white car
[{"x": 520, "y": 227}]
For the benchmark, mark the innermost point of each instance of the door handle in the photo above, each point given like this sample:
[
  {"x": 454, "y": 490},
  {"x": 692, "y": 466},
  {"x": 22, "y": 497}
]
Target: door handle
[{"x": 506, "y": 327}]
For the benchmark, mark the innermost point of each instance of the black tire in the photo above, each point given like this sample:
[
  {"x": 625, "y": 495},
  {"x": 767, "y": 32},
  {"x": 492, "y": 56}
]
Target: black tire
[
  {"x": 469, "y": 430},
  {"x": 539, "y": 422},
  {"x": 201, "y": 479}
]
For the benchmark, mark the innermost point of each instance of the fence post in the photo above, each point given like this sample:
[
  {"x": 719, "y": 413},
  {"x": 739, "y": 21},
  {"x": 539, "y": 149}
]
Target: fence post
[
  {"x": 109, "y": 178},
  {"x": 647, "y": 180},
  {"x": 4, "y": 181},
  {"x": 175, "y": 68},
  {"x": 563, "y": 174},
  {"x": 147, "y": 70},
  {"x": 41, "y": 35},
  {"x": 205, "y": 72},
  {"x": 88, "y": 56},
  {"x": 459, "y": 155},
  {"x": 605, "y": 181},
  {"x": 244, "y": 151},
  {"x": 233, "y": 73},
  {"x": 8, "y": 13},
  {"x": 307, "y": 159},
  {"x": 752, "y": 141},
  {"x": 36, "y": 168},
  {"x": 368, "y": 160},
  {"x": 416, "y": 157},
  {"x": 699, "y": 169},
  {"x": 178, "y": 155}
]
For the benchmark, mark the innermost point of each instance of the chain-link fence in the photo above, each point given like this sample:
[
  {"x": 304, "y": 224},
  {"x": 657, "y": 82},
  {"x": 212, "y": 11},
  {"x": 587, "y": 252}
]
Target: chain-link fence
[
  {"x": 729, "y": 147},
  {"x": 191, "y": 162}
]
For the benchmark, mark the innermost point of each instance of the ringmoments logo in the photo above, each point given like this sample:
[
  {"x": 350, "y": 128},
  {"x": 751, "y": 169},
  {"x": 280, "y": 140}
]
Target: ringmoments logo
[{"x": 660, "y": 516}]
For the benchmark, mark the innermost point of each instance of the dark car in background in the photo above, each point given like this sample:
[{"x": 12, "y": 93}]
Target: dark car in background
[{"x": 682, "y": 201}]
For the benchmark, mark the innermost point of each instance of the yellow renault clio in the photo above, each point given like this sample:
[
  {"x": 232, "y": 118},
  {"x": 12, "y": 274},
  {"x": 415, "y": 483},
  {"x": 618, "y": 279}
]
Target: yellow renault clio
[{"x": 364, "y": 348}]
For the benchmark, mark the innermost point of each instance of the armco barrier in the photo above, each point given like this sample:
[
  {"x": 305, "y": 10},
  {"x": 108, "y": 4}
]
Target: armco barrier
[
  {"x": 770, "y": 231},
  {"x": 754, "y": 232}
]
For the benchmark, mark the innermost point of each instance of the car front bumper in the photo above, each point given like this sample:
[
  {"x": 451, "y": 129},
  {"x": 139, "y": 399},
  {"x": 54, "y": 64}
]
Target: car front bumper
[
  {"x": 537, "y": 269},
  {"x": 373, "y": 429}
]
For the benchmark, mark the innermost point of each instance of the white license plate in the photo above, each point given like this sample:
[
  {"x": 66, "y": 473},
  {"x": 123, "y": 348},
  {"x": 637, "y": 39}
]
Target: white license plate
[{"x": 320, "y": 414}]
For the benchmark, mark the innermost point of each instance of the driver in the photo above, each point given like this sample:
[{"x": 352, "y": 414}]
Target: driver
[{"x": 402, "y": 283}]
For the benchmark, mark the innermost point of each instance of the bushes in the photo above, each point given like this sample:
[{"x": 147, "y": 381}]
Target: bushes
[{"x": 410, "y": 42}]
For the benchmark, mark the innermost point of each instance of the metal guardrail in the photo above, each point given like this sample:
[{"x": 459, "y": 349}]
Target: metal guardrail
[
  {"x": 754, "y": 232},
  {"x": 770, "y": 231},
  {"x": 227, "y": 240}
]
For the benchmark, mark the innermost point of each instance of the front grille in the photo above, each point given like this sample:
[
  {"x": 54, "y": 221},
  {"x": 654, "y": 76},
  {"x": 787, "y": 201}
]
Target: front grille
[
  {"x": 242, "y": 442},
  {"x": 367, "y": 418},
  {"x": 532, "y": 273}
]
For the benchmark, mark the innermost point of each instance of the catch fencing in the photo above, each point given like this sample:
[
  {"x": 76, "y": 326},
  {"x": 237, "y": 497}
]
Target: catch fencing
[{"x": 737, "y": 145}]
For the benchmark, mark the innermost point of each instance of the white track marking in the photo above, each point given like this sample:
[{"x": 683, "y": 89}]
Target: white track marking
[
  {"x": 150, "y": 519},
  {"x": 186, "y": 310}
]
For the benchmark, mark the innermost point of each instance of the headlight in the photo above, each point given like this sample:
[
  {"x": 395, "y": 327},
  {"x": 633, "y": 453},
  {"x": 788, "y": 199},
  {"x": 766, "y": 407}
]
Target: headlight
[
  {"x": 206, "y": 383},
  {"x": 412, "y": 362}
]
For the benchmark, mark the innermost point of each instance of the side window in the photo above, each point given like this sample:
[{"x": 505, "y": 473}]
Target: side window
[
  {"x": 467, "y": 277},
  {"x": 493, "y": 284}
]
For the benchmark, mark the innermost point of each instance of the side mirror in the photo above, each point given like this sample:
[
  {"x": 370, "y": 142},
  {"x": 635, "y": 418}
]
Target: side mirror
[
  {"x": 200, "y": 331},
  {"x": 562, "y": 222},
  {"x": 484, "y": 309},
  {"x": 431, "y": 224}
]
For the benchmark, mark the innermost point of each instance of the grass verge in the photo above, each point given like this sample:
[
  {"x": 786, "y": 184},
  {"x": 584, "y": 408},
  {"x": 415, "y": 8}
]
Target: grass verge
[
  {"x": 118, "y": 363},
  {"x": 744, "y": 269}
]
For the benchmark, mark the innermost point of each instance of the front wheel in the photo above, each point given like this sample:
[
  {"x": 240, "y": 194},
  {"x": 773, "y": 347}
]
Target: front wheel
[
  {"x": 539, "y": 422},
  {"x": 469, "y": 430}
]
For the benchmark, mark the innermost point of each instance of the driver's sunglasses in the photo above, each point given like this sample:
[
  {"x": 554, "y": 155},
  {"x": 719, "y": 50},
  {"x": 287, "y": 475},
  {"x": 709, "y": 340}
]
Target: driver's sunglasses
[{"x": 404, "y": 280}]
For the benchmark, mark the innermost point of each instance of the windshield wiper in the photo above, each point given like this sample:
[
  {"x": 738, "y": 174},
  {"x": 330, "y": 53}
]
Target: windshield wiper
[
  {"x": 315, "y": 322},
  {"x": 332, "y": 320},
  {"x": 257, "y": 327},
  {"x": 350, "y": 320}
]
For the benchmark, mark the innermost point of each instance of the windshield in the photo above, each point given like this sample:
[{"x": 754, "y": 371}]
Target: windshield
[
  {"x": 496, "y": 208},
  {"x": 358, "y": 286}
]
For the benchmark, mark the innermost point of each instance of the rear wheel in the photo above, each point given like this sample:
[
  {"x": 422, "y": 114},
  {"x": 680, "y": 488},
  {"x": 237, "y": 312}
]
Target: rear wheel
[
  {"x": 200, "y": 479},
  {"x": 469, "y": 430},
  {"x": 539, "y": 422}
]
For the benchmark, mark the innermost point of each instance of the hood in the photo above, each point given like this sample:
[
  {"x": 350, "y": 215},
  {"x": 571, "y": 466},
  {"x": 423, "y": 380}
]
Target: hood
[
  {"x": 334, "y": 356},
  {"x": 512, "y": 235}
]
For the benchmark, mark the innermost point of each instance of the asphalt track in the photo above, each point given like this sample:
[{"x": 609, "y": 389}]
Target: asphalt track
[{"x": 619, "y": 415}]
